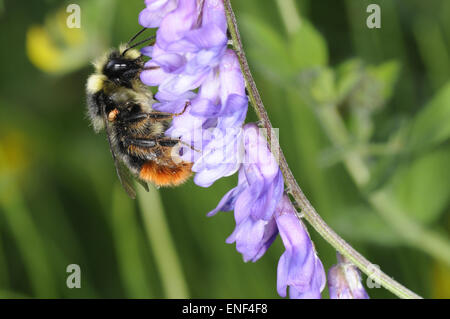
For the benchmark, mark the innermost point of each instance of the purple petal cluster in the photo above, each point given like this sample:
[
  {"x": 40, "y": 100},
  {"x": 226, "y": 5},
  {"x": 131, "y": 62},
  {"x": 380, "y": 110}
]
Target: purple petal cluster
[
  {"x": 155, "y": 11},
  {"x": 299, "y": 267},
  {"x": 190, "y": 62},
  {"x": 344, "y": 281},
  {"x": 254, "y": 199},
  {"x": 262, "y": 211}
]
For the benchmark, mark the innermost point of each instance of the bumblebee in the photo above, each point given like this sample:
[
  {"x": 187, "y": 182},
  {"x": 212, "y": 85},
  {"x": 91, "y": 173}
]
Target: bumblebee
[{"x": 118, "y": 102}]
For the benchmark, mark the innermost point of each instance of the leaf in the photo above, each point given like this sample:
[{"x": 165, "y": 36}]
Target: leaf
[
  {"x": 369, "y": 226},
  {"x": 348, "y": 74},
  {"x": 422, "y": 187},
  {"x": 323, "y": 88},
  {"x": 431, "y": 126},
  {"x": 367, "y": 87},
  {"x": 265, "y": 46},
  {"x": 307, "y": 47},
  {"x": 282, "y": 58},
  {"x": 387, "y": 74}
]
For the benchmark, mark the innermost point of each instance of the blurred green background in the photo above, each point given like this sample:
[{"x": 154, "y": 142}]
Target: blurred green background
[{"x": 364, "y": 118}]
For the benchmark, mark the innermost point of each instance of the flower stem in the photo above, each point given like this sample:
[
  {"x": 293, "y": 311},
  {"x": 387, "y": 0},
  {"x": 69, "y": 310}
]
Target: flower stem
[
  {"x": 294, "y": 189},
  {"x": 158, "y": 233}
]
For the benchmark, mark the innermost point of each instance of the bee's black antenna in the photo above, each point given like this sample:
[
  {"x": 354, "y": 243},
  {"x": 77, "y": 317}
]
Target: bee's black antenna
[
  {"x": 135, "y": 36},
  {"x": 139, "y": 43}
]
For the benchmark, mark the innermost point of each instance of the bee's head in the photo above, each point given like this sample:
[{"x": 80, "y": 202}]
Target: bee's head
[
  {"x": 122, "y": 68},
  {"x": 123, "y": 65}
]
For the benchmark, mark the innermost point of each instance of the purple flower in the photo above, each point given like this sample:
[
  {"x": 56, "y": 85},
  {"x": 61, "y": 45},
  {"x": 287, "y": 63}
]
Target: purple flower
[
  {"x": 254, "y": 199},
  {"x": 213, "y": 123},
  {"x": 155, "y": 11},
  {"x": 264, "y": 178},
  {"x": 190, "y": 63},
  {"x": 344, "y": 281},
  {"x": 299, "y": 267},
  {"x": 253, "y": 237},
  {"x": 191, "y": 53},
  {"x": 260, "y": 180},
  {"x": 190, "y": 43}
]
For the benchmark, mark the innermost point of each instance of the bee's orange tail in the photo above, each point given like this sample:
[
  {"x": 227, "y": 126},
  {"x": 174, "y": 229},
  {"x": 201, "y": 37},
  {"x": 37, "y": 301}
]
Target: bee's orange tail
[{"x": 165, "y": 175}]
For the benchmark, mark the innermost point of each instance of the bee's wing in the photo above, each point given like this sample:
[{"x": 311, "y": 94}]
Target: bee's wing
[
  {"x": 144, "y": 184},
  {"x": 124, "y": 174}
]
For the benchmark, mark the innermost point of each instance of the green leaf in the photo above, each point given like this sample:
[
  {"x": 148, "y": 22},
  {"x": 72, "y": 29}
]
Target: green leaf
[
  {"x": 307, "y": 47},
  {"x": 431, "y": 126},
  {"x": 348, "y": 75},
  {"x": 266, "y": 47},
  {"x": 282, "y": 58},
  {"x": 323, "y": 88},
  {"x": 422, "y": 187},
  {"x": 370, "y": 227},
  {"x": 387, "y": 74},
  {"x": 366, "y": 87}
]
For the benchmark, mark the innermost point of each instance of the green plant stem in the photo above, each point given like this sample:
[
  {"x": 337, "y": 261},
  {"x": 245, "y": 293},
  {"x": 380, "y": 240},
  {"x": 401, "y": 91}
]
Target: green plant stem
[
  {"x": 161, "y": 242},
  {"x": 293, "y": 188},
  {"x": 127, "y": 233},
  {"x": 289, "y": 12}
]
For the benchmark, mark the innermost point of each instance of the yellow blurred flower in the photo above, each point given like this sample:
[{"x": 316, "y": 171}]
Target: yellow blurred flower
[
  {"x": 56, "y": 48},
  {"x": 441, "y": 281},
  {"x": 13, "y": 155},
  {"x": 41, "y": 51}
]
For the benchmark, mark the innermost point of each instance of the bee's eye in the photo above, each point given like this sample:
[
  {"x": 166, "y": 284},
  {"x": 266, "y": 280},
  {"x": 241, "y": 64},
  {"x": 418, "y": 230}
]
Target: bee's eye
[
  {"x": 119, "y": 66},
  {"x": 116, "y": 67},
  {"x": 133, "y": 108}
]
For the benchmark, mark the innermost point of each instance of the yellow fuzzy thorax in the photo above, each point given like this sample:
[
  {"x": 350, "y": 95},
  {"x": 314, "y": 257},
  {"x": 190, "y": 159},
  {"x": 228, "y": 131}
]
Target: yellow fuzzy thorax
[
  {"x": 97, "y": 80},
  {"x": 131, "y": 54},
  {"x": 95, "y": 83}
]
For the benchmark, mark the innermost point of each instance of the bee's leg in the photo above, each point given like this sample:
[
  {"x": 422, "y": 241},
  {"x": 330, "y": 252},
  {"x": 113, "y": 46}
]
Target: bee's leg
[
  {"x": 142, "y": 116},
  {"x": 188, "y": 103},
  {"x": 170, "y": 142},
  {"x": 155, "y": 115},
  {"x": 164, "y": 115},
  {"x": 134, "y": 117},
  {"x": 146, "y": 149},
  {"x": 148, "y": 68},
  {"x": 141, "y": 142}
]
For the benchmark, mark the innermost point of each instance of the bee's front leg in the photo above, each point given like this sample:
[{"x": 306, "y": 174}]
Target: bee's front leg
[{"x": 167, "y": 116}]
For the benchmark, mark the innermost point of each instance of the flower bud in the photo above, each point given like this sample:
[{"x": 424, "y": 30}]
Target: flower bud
[{"x": 344, "y": 281}]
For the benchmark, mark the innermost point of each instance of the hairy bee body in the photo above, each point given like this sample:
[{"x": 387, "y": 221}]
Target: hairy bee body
[{"x": 121, "y": 104}]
